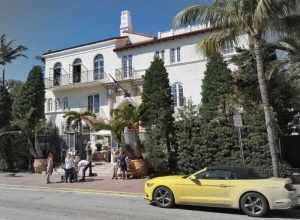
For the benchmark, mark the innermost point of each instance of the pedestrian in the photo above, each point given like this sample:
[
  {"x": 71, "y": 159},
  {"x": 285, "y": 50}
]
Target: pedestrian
[
  {"x": 115, "y": 160},
  {"x": 83, "y": 165},
  {"x": 89, "y": 156},
  {"x": 50, "y": 167},
  {"x": 69, "y": 164},
  {"x": 123, "y": 164},
  {"x": 74, "y": 169}
]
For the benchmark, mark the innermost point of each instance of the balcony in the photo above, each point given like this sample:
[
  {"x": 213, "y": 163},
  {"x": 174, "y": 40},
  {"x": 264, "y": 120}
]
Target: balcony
[
  {"x": 75, "y": 80},
  {"x": 129, "y": 74}
]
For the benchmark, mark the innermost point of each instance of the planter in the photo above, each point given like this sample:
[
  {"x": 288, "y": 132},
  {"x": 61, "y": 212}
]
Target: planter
[
  {"x": 39, "y": 165},
  {"x": 138, "y": 168},
  {"x": 103, "y": 155}
]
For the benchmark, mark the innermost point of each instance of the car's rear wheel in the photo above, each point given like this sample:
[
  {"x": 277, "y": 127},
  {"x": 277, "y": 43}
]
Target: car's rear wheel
[
  {"x": 163, "y": 197},
  {"x": 254, "y": 204}
]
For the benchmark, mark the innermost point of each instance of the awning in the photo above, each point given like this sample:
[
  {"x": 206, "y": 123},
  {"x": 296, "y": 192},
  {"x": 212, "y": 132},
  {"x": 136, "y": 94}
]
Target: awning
[{"x": 102, "y": 133}]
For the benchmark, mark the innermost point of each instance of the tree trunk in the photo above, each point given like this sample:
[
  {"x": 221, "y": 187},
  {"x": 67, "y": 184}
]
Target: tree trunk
[{"x": 266, "y": 105}]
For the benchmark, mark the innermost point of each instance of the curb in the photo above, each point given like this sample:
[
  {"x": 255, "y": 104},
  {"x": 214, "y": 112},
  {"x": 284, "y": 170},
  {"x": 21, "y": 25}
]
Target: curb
[{"x": 74, "y": 190}]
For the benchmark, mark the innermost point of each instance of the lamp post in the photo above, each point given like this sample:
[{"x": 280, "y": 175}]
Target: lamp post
[{"x": 238, "y": 123}]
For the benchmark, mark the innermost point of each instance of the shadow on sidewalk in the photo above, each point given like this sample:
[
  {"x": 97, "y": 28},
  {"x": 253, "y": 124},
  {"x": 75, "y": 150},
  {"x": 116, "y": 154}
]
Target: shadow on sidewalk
[{"x": 89, "y": 180}]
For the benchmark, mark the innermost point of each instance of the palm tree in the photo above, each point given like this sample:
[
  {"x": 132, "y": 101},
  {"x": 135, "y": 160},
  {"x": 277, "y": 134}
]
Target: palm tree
[
  {"x": 232, "y": 18},
  {"x": 78, "y": 118},
  {"x": 125, "y": 115},
  {"x": 8, "y": 53}
]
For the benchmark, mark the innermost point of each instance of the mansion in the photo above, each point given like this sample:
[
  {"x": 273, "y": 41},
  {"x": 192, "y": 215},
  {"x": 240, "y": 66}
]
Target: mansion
[{"x": 81, "y": 78}]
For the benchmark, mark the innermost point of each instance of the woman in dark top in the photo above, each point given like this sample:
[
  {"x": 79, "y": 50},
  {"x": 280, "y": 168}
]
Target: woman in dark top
[{"x": 123, "y": 164}]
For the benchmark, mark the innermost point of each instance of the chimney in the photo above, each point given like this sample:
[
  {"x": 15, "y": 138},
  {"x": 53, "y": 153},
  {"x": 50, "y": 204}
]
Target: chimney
[{"x": 126, "y": 23}]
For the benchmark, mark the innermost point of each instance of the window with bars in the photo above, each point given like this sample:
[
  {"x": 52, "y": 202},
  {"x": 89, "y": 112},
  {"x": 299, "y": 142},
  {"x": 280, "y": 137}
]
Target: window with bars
[{"x": 178, "y": 94}]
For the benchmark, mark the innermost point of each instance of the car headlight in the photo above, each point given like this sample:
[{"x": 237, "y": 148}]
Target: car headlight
[{"x": 149, "y": 184}]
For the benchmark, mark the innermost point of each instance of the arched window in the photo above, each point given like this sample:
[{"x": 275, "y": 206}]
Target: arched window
[
  {"x": 77, "y": 70},
  {"x": 98, "y": 67},
  {"x": 57, "y": 74},
  {"x": 49, "y": 105},
  {"x": 178, "y": 95}
]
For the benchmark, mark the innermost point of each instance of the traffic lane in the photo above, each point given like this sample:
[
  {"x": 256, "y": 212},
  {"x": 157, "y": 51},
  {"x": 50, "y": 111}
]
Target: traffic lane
[{"x": 38, "y": 204}]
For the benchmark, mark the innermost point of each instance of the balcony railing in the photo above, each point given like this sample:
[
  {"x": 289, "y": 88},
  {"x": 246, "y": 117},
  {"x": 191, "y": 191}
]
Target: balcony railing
[
  {"x": 75, "y": 78},
  {"x": 129, "y": 74}
]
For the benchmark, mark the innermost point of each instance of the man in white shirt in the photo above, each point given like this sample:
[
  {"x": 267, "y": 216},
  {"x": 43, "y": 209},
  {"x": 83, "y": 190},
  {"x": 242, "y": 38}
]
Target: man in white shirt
[
  {"x": 69, "y": 165},
  {"x": 83, "y": 165}
]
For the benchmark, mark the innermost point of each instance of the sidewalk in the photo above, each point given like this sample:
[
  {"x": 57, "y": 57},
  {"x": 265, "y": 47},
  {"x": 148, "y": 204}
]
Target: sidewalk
[{"x": 98, "y": 183}]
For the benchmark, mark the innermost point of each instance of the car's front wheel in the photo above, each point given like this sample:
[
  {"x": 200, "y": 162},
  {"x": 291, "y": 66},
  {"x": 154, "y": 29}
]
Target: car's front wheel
[
  {"x": 163, "y": 197},
  {"x": 254, "y": 204}
]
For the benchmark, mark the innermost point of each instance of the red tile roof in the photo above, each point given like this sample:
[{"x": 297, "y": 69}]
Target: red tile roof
[{"x": 159, "y": 40}]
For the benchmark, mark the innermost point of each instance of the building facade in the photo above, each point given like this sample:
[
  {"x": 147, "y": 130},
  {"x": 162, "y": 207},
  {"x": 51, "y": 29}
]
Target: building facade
[{"x": 81, "y": 78}]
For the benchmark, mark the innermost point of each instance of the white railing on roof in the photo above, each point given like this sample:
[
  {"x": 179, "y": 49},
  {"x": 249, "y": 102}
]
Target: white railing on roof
[{"x": 178, "y": 31}]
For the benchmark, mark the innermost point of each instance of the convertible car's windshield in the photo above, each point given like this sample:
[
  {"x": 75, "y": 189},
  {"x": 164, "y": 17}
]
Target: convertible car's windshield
[{"x": 227, "y": 173}]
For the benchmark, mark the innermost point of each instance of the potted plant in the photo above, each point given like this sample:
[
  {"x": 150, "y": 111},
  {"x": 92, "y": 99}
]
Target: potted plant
[{"x": 125, "y": 128}]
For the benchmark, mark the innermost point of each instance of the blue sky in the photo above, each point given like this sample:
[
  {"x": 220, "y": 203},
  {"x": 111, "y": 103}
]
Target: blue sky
[{"x": 41, "y": 25}]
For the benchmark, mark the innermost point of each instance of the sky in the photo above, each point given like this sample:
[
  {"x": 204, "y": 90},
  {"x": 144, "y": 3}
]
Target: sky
[{"x": 42, "y": 25}]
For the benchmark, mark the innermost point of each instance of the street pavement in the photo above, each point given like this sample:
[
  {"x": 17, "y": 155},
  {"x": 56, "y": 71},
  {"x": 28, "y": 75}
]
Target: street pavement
[{"x": 28, "y": 203}]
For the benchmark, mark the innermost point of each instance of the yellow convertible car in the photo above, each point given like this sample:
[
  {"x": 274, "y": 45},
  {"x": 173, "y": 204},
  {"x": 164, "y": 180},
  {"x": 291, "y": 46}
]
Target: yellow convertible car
[{"x": 239, "y": 188}]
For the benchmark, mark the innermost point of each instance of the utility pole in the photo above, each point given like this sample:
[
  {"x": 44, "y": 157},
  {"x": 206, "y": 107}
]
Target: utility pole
[{"x": 238, "y": 123}]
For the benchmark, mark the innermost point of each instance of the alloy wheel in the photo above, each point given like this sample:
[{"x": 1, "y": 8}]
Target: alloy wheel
[
  {"x": 163, "y": 197},
  {"x": 254, "y": 204}
]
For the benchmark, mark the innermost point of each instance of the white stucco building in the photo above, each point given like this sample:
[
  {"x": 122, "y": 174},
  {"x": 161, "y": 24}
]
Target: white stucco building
[{"x": 79, "y": 78}]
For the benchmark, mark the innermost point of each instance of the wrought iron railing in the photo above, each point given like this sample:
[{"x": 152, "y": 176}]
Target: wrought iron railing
[
  {"x": 75, "y": 78},
  {"x": 127, "y": 74}
]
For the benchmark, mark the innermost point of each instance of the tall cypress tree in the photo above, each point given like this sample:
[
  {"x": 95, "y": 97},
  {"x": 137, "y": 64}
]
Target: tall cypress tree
[
  {"x": 32, "y": 97},
  {"x": 217, "y": 86},
  {"x": 5, "y": 107},
  {"x": 156, "y": 116},
  {"x": 6, "y": 149},
  {"x": 189, "y": 126},
  {"x": 220, "y": 145}
]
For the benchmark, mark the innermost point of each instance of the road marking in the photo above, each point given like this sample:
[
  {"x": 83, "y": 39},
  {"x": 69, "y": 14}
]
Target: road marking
[{"x": 73, "y": 190}]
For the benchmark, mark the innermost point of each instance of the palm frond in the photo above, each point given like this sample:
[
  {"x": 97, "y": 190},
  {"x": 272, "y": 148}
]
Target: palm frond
[
  {"x": 290, "y": 45},
  {"x": 7, "y": 51},
  {"x": 190, "y": 15},
  {"x": 216, "y": 41}
]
